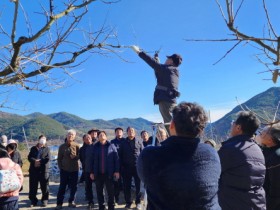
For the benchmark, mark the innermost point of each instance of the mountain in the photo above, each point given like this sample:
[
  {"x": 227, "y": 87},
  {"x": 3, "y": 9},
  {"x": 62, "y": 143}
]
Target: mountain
[
  {"x": 55, "y": 126},
  {"x": 9, "y": 121},
  {"x": 264, "y": 105},
  {"x": 71, "y": 121},
  {"x": 138, "y": 123}
]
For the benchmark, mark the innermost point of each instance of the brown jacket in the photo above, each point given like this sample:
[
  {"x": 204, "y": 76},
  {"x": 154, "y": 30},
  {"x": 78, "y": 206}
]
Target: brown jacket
[{"x": 65, "y": 162}]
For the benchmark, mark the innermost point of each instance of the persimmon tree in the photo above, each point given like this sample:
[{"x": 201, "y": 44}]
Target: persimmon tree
[
  {"x": 43, "y": 44},
  {"x": 267, "y": 45}
]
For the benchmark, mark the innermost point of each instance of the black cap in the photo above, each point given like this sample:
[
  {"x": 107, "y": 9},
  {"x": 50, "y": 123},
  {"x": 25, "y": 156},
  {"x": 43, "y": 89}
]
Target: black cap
[{"x": 176, "y": 58}]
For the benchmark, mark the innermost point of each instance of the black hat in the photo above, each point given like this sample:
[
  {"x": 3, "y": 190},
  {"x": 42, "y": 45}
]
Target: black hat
[{"x": 176, "y": 58}]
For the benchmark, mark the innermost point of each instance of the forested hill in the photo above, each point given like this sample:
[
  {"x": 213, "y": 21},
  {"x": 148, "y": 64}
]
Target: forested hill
[
  {"x": 264, "y": 104},
  {"x": 54, "y": 126}
]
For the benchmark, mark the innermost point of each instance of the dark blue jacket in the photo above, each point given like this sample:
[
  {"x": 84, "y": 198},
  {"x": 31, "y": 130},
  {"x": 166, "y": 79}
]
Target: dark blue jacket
[
  {"x": 272, "y": 177},
  {"x": 181, "y": 174},
  {"x": 128, "y": 154},
  {"x": 83, "y": 154},
  {"x": 111, "y": 159},
  {"x": 167, "y": 79},
  {"x": 243, "y": 173}
]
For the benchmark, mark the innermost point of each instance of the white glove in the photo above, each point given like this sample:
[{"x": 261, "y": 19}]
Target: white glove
[{"x": 135, "y": 49}]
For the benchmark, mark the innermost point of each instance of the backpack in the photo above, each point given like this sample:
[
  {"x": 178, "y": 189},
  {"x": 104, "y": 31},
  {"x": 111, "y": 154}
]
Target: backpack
[{"x": 9, "y": 181}]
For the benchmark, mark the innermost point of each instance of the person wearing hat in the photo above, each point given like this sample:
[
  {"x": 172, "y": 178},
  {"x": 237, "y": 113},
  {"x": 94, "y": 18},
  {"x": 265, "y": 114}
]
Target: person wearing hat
[
  {"x": 13, "y": 152},
  {"x": 167, "y": 75},
  {"x": 93, "y": 133}
]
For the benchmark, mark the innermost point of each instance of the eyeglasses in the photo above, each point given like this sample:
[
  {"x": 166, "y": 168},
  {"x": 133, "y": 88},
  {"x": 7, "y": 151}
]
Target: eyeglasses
[{"x": 233, "y": 122}]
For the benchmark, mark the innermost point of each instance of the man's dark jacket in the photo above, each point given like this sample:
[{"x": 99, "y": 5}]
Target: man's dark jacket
[
  {"x": 243, "y": 173},
  {"x": 128, "y": 155},
  {"x": 89, "y": 158},
  {"x": 44, "y": 160},
  {"x": 272, "y": 177},
  {"x": 167, "y": 79},
  {"x": 82, "y": 154},
  {"x": 182, "y": 174},
  {"x": 112, "y": 164},
  {"x": 117, "y": 142}
]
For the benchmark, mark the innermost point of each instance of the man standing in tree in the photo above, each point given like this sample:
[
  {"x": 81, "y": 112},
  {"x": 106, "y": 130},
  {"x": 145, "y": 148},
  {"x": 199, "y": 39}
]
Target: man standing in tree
[{"x": 167, "y": 76}]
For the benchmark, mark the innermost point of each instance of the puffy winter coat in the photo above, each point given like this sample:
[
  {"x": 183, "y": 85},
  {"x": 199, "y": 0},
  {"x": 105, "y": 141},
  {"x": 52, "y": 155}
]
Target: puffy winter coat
[
  {"x": 181, "y": 174},
  {"x": 243, "y": 174},
  {"x": 272, "y": 177}
]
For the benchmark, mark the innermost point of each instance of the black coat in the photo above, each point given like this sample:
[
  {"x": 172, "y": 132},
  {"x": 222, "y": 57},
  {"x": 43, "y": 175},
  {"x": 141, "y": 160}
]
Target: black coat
[
  {"x": 44, "y": 160},
  {"x": 117, "y": 142},
  {"x": 243, "y": 174},
  {"x": 82, "y": 155},
  {"x": 2, "y": 146},
  {"x": 272, "y": 177},
  {"x": 16, "y": 157},
  {"x": 181, "y": 174},
  {"x": 89, "y": 158},
  {"x": 128, "y": 154},
  {"x": 167, "y": 80}
]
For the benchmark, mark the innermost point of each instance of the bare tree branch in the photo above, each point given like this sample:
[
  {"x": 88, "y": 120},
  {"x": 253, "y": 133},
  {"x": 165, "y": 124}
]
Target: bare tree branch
[
  {"x": 269, "y": 45},
  {"x": 29, "y": 61}
]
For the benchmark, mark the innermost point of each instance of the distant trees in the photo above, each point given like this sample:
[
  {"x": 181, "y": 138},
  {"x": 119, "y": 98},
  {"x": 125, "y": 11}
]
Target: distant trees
[{"x": 38, "y": 37}]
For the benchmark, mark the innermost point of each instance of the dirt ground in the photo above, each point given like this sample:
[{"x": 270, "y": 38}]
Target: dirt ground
[{"x": 24, "y": 203}]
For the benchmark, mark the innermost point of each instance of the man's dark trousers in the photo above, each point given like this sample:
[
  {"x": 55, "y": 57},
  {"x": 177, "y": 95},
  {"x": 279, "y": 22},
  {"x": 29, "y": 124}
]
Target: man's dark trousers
[
  {"x": 70, "y": 179},
  {"x": 128, "y": 173},
  {"x": 34, "y": 178},
  {"x": 100, "y": 181},
  {"x": 118, "y": 187},
  {"x": 88, "y": 187}
]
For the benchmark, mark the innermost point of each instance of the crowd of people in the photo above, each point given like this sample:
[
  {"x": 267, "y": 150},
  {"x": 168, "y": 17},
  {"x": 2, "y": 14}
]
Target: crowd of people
[{"x": 177, "y": 172}]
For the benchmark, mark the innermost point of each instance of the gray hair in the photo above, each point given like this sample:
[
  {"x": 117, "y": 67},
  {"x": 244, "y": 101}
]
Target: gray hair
[{"x": 71, "y": 131}]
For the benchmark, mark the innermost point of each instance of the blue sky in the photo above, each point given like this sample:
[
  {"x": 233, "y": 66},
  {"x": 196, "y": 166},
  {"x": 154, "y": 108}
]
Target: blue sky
[{"x": 109, "y": 88}]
